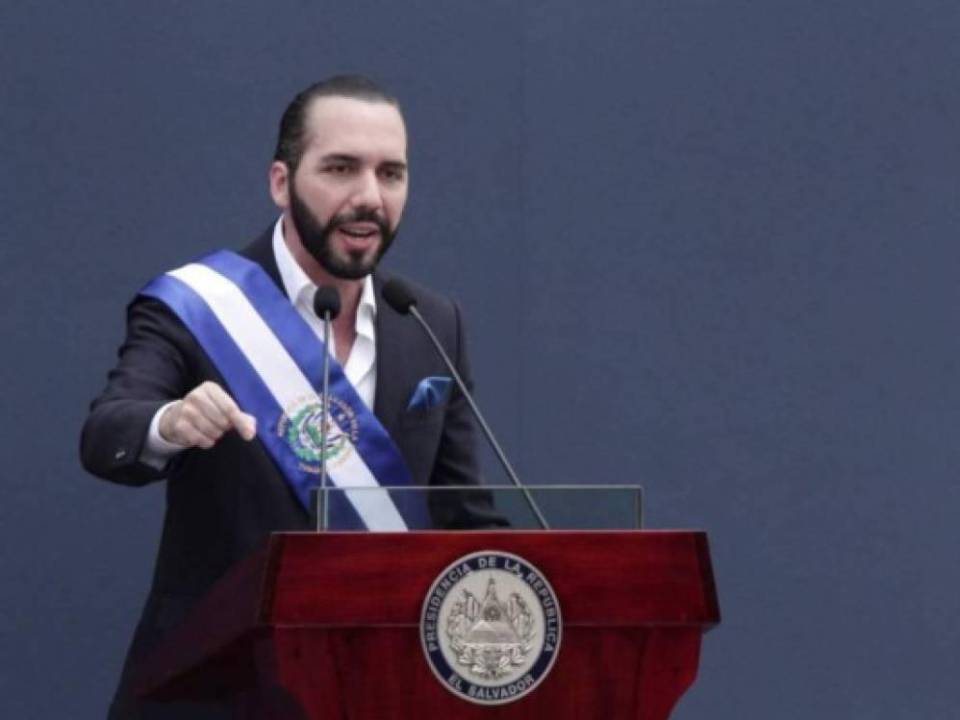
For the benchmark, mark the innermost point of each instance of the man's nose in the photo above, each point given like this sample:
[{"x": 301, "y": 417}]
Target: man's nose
[{"x": 366, "y": 194}]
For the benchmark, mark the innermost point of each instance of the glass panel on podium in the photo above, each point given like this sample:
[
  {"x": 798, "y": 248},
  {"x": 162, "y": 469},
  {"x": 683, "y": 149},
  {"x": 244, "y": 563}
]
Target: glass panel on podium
[{"x": 491, "y": 507}]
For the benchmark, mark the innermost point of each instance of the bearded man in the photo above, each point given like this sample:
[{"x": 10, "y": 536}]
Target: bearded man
[{"x": 215, "y": 386}]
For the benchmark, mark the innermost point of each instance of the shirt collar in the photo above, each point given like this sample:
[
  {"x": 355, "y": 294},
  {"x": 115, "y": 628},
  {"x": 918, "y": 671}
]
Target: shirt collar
[{"x": 300, "y": 288}]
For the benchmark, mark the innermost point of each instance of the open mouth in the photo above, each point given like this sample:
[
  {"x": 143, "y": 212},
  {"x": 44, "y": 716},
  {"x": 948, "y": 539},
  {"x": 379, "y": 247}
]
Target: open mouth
[{"x": 359, "y": 234}]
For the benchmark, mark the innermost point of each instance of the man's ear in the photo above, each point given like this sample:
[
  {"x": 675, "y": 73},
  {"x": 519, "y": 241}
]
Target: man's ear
[{"x": 280, "y": 184}]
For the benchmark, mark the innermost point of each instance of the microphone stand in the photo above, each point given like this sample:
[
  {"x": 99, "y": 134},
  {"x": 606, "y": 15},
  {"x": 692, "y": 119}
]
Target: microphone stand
[
  {"x": 326, "y": 305},
  {"x": 324, "y": 422}
]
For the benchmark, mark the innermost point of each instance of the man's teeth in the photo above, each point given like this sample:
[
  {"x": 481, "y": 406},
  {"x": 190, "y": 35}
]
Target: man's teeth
[{"x": 358, "y": 233}]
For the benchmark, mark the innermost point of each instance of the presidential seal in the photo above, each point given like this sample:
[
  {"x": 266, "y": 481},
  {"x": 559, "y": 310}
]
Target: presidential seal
[
  {"x": 490, "y": 627},
  {"x": 299, "y": 426}
]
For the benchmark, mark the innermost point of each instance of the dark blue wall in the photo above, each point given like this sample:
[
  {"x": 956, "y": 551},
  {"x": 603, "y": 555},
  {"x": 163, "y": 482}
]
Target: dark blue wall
[{"x": 710, "y": 246}]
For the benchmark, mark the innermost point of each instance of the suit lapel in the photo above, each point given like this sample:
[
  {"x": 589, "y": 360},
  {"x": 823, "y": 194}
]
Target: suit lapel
[{"x": 393, "y": 368}]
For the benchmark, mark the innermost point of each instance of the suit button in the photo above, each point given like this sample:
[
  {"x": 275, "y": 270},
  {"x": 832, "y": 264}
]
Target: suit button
[{"x": 120, "y": 454}]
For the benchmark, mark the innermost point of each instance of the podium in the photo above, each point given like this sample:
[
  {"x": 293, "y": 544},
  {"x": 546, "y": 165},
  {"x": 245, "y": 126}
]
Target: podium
[{"x": 327, "y": 625}]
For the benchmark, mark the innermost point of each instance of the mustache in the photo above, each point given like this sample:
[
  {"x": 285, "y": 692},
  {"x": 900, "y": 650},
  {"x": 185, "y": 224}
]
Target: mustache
[{"x": 361, "y": 215}]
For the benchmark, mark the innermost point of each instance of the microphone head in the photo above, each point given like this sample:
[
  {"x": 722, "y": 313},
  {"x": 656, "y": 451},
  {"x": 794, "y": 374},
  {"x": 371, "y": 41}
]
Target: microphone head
[
  {"x": 398, "y": 295},
  {"x": 326, "y": 300}
]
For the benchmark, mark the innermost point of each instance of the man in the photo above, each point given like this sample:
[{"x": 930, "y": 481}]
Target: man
[{"x": 178, "y": 404}]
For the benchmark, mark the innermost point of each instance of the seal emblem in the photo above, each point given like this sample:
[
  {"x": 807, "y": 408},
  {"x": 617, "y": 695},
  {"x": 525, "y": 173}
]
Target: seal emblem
[
  {"x": 299, "y": 426},
  {"x": 490, "y": 627}
]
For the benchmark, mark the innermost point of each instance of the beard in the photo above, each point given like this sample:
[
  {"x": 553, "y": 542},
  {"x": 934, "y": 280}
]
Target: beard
[{"x": 316, "y": 238}]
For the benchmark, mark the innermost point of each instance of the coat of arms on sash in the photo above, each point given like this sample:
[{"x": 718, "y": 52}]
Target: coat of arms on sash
[
  {"x": 490, "y": 627},
  {"x": 299, "y": 427}
]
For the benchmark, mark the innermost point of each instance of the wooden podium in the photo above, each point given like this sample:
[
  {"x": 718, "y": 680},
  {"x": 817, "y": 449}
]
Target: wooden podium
[{"x": 326, "y": 625}]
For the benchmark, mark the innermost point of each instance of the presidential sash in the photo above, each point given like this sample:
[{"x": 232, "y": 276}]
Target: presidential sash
[{"x": 272, "y": 363}]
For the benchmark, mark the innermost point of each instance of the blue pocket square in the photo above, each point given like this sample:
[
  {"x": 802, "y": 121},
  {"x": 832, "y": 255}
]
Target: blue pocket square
[{"x": 431, "y": 391}]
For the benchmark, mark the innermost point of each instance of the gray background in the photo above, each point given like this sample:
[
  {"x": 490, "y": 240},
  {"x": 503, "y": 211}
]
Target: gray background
[{"x": 709, "y": 246}]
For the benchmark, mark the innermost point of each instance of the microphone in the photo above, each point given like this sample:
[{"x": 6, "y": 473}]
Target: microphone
[
  {"x": 398, "y": 296},
  {"x": 401, "y": 299},
  {"x": 326, "y": 304},
  {"x": 326, "y": 301}
]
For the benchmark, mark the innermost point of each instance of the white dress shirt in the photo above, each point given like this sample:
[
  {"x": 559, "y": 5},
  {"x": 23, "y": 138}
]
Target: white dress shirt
[{"x": 361, "y": 365}]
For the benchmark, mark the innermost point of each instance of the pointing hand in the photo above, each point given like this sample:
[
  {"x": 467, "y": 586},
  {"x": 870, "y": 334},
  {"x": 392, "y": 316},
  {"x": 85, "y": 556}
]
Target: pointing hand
[{"x": 202, "y": 417}]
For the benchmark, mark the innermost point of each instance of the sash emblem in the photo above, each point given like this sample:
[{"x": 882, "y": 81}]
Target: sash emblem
[{"x": 299, "y": 427}]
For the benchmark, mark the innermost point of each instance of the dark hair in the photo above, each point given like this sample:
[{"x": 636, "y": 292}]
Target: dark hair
[{"x": 292, "y": 137}]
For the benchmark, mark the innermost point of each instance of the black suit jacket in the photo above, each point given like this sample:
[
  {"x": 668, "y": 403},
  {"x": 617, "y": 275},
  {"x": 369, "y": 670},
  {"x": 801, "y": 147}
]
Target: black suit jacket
[{"x": 223, "y": 503}]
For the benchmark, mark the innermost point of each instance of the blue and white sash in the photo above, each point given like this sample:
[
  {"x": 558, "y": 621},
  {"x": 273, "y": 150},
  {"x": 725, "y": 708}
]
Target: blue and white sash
[{"x": 272, "y": 363}]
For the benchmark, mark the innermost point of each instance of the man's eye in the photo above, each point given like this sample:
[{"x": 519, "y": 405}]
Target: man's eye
[
  {"x": 339, "y": 169},
  {"x": 392, "y": 174}
]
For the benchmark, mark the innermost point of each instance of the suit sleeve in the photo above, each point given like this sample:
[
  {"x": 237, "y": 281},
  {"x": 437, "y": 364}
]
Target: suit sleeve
[{"x": 152, "y": 369}]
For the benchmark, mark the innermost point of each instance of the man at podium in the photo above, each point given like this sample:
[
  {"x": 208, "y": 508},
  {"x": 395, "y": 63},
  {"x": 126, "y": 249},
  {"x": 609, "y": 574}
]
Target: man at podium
[{"x": 217, "y": 382}]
